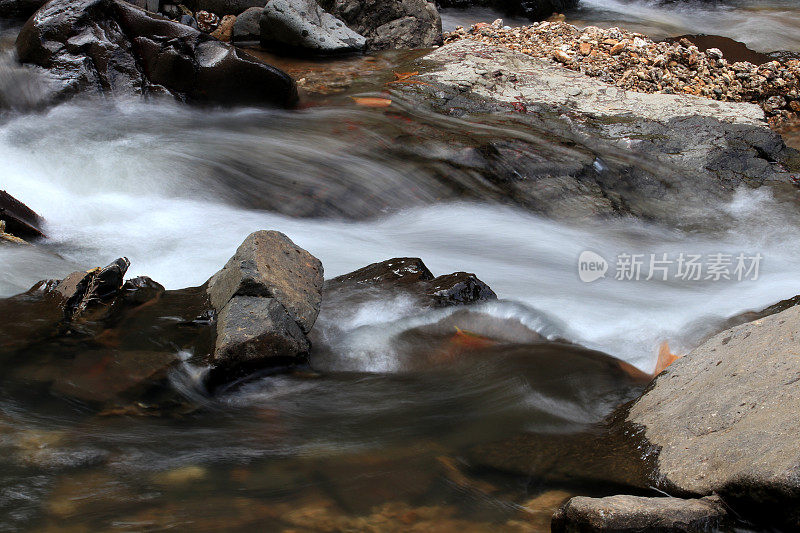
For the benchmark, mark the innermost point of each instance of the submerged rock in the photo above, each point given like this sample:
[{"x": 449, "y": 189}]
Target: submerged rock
[
  {"x": 20, "y": 220},
  {"x": 112, "y": 47},
  {"x": 388, "y": 24},
  {"x": 267, "y": 297},
  {"x": 622, "y": 514},
  {"x": 303, "y": 26},
  {"x": 723, "y": 419}
]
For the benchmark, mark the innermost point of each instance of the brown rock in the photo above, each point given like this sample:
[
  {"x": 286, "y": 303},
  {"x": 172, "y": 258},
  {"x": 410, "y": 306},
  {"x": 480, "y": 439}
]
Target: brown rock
[
  {"x": 224, "y": 31},
  {"x": 617, "y": 48},
  {"x": 585, "y": 49},
  {"x": 561, "y": 56}
]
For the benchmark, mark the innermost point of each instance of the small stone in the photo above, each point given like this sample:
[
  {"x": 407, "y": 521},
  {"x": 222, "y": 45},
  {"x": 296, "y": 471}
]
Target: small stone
[
  {"x": 714, "y": 53},
  {"x": 561, "y": 56},
  {"x": 585, "y": 49},
  {"x": 206, "y": 22},
  {"x": 224, "y": 31},
  {"x": 617, "y": 48}
]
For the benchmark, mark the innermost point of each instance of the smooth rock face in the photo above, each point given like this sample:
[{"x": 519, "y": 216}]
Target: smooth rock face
[
  {"x": 724, "y": 418},
  {"x": 302, "y": 25},
  {"x": 248, "y": 25},
  {"x": 110, "y": 46},
  {"x": 392, "y": 23},
  {"x": 21, "y": 221},
  {"x": 268, "y": 264},
  {"x": 635, "y": 513},
  {"x": 252, "y": 328}
]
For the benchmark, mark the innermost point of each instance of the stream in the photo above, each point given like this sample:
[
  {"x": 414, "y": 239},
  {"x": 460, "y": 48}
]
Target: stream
[{"x": 359, "y": 440}]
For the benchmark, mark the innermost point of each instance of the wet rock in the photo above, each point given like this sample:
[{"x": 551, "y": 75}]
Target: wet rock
[
  {"x": 20, "y": 220},
  {"x": 19, "y": 8},
  {"x": 110, "y": 46},
  {"x": 83, "y": 290},
  {"x": 189, "y": 20},
  {"x": 7, "y": 238},
  {"x": 104, "y": 376},
  {"x": 247, "y": 27},
  {"x": 724, "y": 419},
  {"x": 303, "y": 26},
  {"x": 254, "y": 330},
  {"x": 268, "y": 264},
  {"x": 409, "y": 275},
  {"x": 635, "y": 513},
  {"x": 224, "y": 31},
  {"x": 393, "y": 23},
  {"x": 149, "y": 5}
]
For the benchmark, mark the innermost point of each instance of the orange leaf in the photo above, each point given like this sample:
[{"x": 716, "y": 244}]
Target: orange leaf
[{"x": 371, "y": 101}]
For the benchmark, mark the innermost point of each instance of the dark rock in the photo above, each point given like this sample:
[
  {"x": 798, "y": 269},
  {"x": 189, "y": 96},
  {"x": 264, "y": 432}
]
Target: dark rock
[
  {"x": 247, "y": 27},
  {"x": 84, "y": 290},
  {"x": 21, "y": 221},
  {"x": 303, "y": 26},
  {"x": 149, "y": 5},
  {"x": 533, "y": 9},
  {"x": 110, "y": 46},
  {"x": 225, "y": 7},
  {"x": 19, "y": 8},
  {"x": 391, "y": 24},
  {"x": 207, "y": 22},
  {"x": 269, "y": 264},
  {"x": 188, "y": 20},
  {"x": 410, "y": 276},
  {"x": 257, "y": 330},
  {"x": 723, "y": 419},
  {"x": 622, "y": 514}
]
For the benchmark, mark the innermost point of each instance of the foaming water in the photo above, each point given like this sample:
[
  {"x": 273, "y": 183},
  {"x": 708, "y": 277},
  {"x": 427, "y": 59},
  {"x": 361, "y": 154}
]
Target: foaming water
[{"x": 113, "y": 183}]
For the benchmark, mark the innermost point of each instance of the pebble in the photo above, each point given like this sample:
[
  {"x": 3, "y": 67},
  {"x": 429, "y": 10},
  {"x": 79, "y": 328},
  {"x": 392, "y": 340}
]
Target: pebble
[{"x": 634, "y": 62}]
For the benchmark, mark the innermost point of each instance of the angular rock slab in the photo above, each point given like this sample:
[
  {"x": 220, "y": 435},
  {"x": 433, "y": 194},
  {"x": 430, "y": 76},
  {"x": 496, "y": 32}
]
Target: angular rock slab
[
  {"x": 724, "y": 418},
  {"x": 252, "y": 329},
  {"x": 112, "y": 47},
  {"x": 269, "y": 264},
  {"x": 635, "y": 513},
  {"x": 21, "y": 220},
  {"x": 390, "y": 24},
  {"x": 302, "y": 25}
]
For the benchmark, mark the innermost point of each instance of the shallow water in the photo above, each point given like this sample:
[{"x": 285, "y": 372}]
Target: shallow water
[{"x": 374, "y": 434}]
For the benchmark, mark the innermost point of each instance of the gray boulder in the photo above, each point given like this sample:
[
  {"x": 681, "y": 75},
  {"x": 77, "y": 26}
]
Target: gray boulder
[
  {"x": 635, "y": 513},
  {"x": 268, "y": 264},
  {"x": 303, "y": 26},
  {"x": 248, "y": 25},
  {"x": 113, "y": 47},
  {"x": 389, "y": 24},
  {"x": 251, "y": 329},
  {"x": 267, "y": 297},
  {"x": 724, "y": 419}
]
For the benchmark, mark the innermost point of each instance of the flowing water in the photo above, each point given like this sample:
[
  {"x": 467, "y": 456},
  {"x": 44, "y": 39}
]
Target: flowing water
[{"x": 362, "y": 439}]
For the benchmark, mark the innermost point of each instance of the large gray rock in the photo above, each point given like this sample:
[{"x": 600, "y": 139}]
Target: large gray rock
[
  {"x": 392, "y": 23},
  {"x": 303, "y": 26},
  {"x": 268, "y": 264},
  {"x": 724, "y": 419},
  {"x": 623, "y": 514},
  {"x": 110, "y": 46},
  {"x": 248, "y": 25},
  {"x": 253, "y": 330}
]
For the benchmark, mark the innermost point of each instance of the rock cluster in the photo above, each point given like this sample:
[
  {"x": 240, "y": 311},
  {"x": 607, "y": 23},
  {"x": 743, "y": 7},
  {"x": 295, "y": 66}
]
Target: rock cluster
[
  {"x": 634, "y": 62},
  {"x": 112, "y": 47}
]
